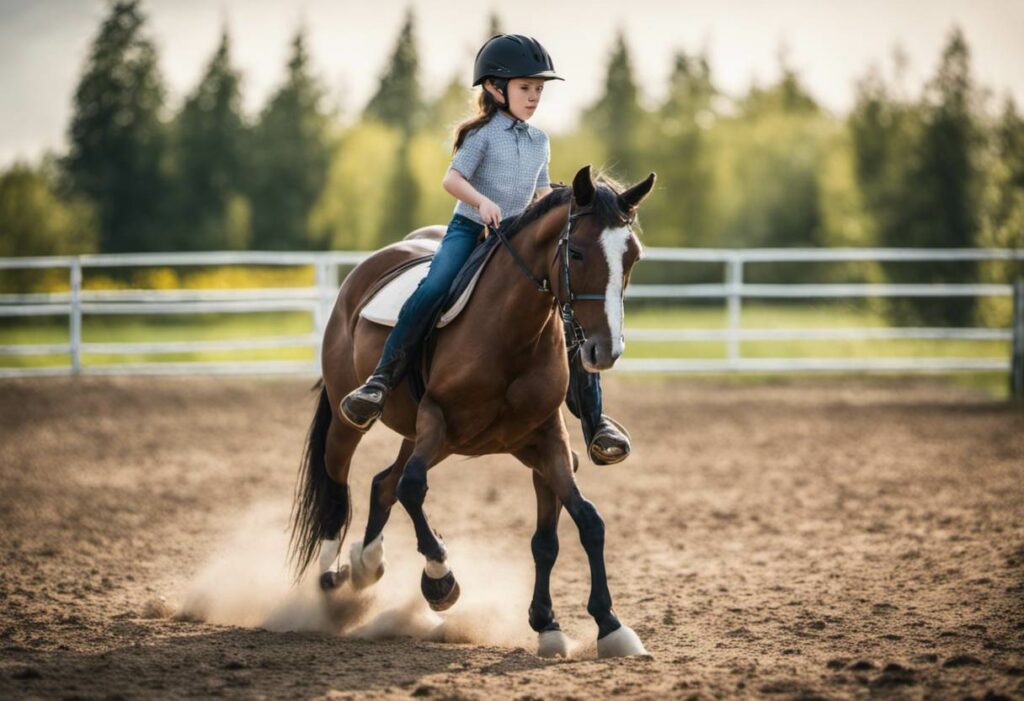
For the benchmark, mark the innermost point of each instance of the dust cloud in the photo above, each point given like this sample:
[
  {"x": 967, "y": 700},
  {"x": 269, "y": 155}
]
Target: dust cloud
[{"x": 247, "y": 583}]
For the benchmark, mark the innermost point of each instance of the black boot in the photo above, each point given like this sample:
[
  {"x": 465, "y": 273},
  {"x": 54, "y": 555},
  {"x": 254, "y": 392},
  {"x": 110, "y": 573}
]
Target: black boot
[
  {"x": 363, "y": 406},
  {"x": 610, "y": 442},
  {"x": 607, "y": 440}
]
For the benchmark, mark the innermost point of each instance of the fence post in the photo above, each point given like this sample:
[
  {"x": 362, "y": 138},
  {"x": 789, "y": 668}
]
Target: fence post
[
  {"x": 1017, "y": 357},
  {"x": 326, "y": 286},
  {"x": 76, "y": 316},
  {"x": 734, "y": 282}
]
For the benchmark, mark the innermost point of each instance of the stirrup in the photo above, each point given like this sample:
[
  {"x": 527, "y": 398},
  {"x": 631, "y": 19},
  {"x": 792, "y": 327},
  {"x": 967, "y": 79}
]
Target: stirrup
[
  {"x": 600, "y": 458},
  {"x": 361, "y": 407}
]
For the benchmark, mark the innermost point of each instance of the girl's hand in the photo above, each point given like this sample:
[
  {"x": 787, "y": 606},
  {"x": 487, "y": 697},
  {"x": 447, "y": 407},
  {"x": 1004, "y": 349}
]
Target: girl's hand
[{"x": 490, "y": 213}]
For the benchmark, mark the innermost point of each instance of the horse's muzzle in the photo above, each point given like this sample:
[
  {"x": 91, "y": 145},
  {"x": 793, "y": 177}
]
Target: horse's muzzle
[{"x": 597, "y": 354}]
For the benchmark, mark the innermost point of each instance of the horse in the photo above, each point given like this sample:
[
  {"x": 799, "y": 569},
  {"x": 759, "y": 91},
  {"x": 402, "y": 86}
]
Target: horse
[{"x": 497, "y": 378}]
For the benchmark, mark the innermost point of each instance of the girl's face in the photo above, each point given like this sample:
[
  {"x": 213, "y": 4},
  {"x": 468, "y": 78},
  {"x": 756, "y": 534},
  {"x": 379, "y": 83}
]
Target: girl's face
[{"x": 523, "y": 95}]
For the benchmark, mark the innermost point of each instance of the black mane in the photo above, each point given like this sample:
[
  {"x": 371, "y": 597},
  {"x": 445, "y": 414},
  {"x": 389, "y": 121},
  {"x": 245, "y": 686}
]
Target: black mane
[{"x": 606, "y": 206}]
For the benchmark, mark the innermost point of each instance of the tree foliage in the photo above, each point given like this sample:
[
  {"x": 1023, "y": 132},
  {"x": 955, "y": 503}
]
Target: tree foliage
[
  {"x": 35, "y": 220},
  {"x": 290, "y": 159},
  {"x": 397, "y": 101},
  {"x": 918, "y": 166},
  {"x": 212, "y": 213},
  {"x": 617, "y": 114},
  {"x": 766, "y": 168},
  {"x": 118, "y": 140}
]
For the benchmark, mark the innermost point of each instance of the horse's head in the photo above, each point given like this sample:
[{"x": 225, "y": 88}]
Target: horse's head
[{"x": 602, "y": 250}]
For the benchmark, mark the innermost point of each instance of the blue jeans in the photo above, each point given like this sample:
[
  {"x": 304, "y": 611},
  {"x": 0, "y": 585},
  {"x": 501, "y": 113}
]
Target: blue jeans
[{"x": 420, "y": 309}]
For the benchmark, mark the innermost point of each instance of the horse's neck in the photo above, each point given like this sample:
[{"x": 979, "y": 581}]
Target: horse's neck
[{"x": 527, "y": 311}]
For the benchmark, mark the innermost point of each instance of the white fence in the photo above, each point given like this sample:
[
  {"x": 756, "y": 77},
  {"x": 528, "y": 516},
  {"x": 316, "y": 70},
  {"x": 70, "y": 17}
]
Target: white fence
[{"x": 317, "y": 301}]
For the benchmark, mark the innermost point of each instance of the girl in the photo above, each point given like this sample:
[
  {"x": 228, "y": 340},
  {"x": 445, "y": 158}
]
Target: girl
[{"x": 500, "y": 166}]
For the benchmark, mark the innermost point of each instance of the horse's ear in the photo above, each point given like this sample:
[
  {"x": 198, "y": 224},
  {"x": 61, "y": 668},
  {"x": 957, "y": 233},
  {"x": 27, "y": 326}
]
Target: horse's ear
[
  {"x": 583, "y": 189},
  {"x": 631, "y": 198}
]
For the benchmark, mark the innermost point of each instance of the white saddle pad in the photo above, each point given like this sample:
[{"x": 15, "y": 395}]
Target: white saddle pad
[{"x": 384, "y": 306}]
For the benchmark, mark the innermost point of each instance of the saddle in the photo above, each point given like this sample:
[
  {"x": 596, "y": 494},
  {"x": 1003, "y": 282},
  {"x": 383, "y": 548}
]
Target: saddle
[{"x": 397, "y": 285}]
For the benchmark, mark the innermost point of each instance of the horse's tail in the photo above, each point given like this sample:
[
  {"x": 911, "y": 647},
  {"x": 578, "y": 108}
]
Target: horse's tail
[{"x": 322, "y": 509}]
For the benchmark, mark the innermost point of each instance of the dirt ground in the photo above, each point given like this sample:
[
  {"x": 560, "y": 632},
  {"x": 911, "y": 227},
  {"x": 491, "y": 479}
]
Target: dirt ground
[{"x": 798, "y": 539}]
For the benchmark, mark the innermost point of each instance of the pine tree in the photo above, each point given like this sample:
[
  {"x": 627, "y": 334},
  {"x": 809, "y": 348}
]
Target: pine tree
[
  {"x": 940, "y": 190},
  {"x": 211, "y": 161},
  {"x": 617, "y": 115},
  {"x": 680, "y": 157},
  {"x": 290, "y": 153},
  {"x": 397, "y": 101},
  {"x": 1004, "y": 210},
  {"x": 884, "y": 129},
  {"x": 1002, "y": 213},
  {"x": 789, "y": 95},
  {"x": 117, "y": 139}
]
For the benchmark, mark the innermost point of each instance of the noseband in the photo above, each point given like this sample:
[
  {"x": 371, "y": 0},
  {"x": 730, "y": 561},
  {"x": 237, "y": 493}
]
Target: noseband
[{"x": 575, "y": 336}]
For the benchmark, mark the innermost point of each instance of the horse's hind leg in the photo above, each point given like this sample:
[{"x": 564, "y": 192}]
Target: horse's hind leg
[
  {"x": 367, "y": 557},
  {"x": 342, "y": 441},
  {"x": 437, "y": 583}
]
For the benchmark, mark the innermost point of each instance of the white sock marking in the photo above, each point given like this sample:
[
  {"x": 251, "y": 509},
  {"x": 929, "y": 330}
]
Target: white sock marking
[
  {"x": 614, "y": 243},
  {"x": 329, "y": 550},
  {"x": 435, "y": 569}
]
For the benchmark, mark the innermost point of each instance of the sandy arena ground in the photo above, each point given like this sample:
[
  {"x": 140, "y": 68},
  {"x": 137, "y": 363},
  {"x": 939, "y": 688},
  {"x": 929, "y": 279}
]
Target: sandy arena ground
[{"x": 798, "y": 539}]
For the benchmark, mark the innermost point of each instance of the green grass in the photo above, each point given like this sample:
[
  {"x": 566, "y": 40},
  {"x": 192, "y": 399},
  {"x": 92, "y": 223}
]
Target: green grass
[
  {"x": 769, "y": 316},
  {"x": 125, "y": 329},
  {"x": 205, "y": 327}
]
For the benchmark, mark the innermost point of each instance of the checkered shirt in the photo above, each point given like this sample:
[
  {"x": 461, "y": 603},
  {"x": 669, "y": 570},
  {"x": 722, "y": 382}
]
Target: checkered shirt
[{"x": 506, "y": 161}]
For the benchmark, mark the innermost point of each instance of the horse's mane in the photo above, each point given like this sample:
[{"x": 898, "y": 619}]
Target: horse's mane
[{"x": 606, "y": 205}]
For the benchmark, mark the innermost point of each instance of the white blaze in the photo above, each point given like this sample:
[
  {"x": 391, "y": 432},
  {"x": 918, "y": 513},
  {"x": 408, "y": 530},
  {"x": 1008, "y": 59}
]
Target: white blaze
[{"x": 614, "y": 243}]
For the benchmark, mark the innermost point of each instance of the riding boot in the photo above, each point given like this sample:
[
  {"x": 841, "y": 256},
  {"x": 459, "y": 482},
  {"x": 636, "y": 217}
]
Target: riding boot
[
  {"x": 363, "y": 405},
  {"x": 607, "y": 440}
]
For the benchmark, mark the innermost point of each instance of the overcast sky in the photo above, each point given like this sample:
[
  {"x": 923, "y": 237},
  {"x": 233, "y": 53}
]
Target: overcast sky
[{"x": 43, "y": 45}]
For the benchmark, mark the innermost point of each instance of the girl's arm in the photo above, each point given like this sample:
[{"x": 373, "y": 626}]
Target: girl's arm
[{"x": 458, "y": 187}]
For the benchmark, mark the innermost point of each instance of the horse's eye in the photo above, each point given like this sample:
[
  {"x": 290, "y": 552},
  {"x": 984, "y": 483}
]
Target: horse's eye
[{"x": 575, "y": 253}]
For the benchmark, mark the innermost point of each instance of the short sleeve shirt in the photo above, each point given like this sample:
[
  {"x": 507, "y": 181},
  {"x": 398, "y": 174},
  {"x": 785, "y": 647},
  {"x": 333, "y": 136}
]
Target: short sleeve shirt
[{"x": 506, "y": 161}]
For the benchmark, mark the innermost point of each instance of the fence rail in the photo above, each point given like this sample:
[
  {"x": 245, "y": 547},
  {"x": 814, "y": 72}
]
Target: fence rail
[{"x": 318, "y": 299}]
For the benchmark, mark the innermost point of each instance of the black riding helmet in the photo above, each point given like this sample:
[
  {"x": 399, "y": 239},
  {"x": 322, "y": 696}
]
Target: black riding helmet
[{"x": 506, "y": 56}]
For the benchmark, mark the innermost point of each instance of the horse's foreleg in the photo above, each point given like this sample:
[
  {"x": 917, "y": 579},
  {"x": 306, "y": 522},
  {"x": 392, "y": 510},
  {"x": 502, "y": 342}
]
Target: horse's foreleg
[
  {"x": 437, "y": 583},
  {"x": 555, "y": 458},
  {"x": 552, "y": 642}
]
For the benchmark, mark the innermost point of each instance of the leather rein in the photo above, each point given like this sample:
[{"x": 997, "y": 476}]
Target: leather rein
[{"x": 575, "y": 336}]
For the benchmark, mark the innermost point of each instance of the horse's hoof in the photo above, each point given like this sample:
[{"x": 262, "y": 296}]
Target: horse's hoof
[
  {"x": 621, "y": 642},
  {"x": 331, "y": 580},
  {"x": 552, "y": 643},
  {"x": 367, "y": 563},
  {"x": 441, "y": 593}
]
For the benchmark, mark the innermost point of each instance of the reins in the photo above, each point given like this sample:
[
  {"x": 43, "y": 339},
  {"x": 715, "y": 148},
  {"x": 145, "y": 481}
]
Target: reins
[{"x": 575, "y": 336}]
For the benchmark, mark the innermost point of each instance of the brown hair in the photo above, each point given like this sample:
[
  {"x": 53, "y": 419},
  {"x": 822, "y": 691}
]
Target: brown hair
[{"x": 486, "y": 108}]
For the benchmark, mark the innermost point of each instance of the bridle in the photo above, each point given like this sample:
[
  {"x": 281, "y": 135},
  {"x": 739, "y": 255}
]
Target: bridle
[{"x": 575, "y": 336}]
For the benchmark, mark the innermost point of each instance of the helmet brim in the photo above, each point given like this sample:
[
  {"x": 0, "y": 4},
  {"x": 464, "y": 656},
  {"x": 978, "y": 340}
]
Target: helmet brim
[{"x": 545, "y": 75}]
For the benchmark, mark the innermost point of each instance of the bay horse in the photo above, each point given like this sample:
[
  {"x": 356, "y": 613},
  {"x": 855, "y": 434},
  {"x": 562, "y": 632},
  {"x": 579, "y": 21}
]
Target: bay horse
[{"x": 497, "y": 380}]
